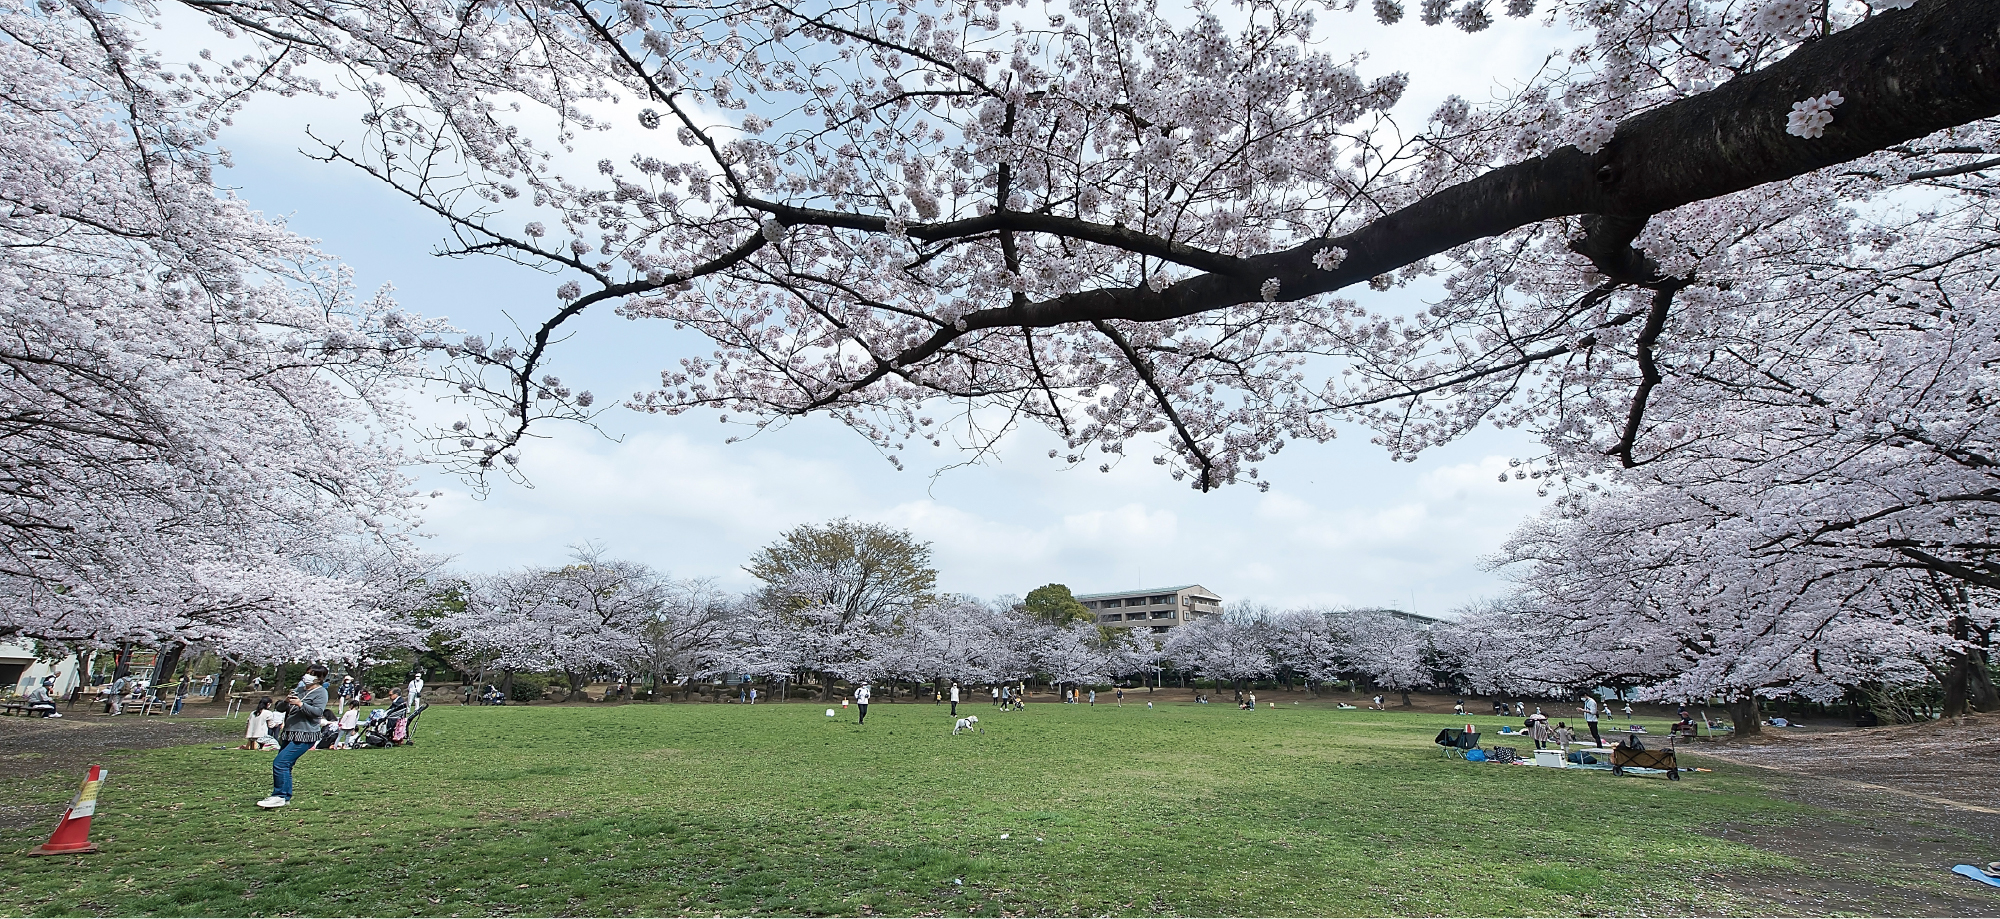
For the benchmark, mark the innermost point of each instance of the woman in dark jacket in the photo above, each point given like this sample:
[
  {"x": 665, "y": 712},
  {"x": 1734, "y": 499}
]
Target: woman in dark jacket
[{"x": 303, "y": 710}]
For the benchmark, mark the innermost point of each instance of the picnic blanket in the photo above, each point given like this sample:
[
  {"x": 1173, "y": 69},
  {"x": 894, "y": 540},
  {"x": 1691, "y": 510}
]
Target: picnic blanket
[{"x": 1973, "y": 872}]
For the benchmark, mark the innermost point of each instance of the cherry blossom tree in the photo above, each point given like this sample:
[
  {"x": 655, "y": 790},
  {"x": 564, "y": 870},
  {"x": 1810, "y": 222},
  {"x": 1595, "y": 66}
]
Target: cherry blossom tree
[
  {"x": 1118, "y": 221},
  {"x": 696, "y": 631},
  {"x": 1675, "y": 253},
  {"x": 1616, "y": 592},
  {"x": 194, "y": 405},
  {"x": 1389, "y": 650},
  {"x": 596, "y": 614},
  {"x": 1311, "y": 644},
  {"x": 1071, "y": 654},
  {"x": 1221, "y": 648}
]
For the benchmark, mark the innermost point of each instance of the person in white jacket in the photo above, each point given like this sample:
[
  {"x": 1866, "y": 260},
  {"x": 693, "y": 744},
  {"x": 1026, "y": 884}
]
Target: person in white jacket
[
  {"x": 861, "y": 696},
  {"x": 954, "y": 698},
  {"x": 416, "y": 701},
  {"x": 258, "y": 735}
]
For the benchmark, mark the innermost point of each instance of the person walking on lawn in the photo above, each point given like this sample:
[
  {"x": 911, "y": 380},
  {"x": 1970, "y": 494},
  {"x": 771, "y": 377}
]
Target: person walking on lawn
[
  {"x": 861, "y": 696},
  {"x": 303, "y": 710},
  {"x": 954, "y": 698}
]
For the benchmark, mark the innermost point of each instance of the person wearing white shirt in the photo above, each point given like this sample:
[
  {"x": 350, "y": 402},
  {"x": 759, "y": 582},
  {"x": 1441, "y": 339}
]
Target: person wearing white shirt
[
  {"x": 258, "y": 735},
  {"x": 1590, "y": 719},
  {"x": 416, "y": 687},
  {"x": 954, "y": 698},
  {"x": 861, "y": 696}
]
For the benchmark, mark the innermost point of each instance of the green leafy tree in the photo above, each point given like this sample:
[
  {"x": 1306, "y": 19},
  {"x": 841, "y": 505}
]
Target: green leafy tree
[
  {"x": 864, "y": 569},
  {"x": 1054, "y": 604}
]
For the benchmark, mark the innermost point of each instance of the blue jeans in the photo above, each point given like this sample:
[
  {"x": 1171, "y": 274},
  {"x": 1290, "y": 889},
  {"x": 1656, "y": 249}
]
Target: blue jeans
[{"x": 281, "y": 768}]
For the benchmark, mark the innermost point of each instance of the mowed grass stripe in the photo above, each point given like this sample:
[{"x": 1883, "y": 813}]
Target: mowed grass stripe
[{"x": 662, "y": 809}]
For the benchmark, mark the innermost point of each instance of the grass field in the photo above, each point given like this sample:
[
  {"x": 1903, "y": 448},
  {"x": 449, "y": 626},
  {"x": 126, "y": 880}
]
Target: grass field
[{"x": 1061, "y": 809}]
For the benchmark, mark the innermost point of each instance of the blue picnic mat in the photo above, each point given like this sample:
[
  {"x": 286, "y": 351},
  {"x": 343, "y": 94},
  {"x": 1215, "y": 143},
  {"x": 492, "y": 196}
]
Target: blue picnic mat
[{"x": 1973, "y": 872}]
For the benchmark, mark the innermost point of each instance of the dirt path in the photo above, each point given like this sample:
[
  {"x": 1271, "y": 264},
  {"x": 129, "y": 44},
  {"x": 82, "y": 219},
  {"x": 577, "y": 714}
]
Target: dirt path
[
  {"x": 1910, "y": 802},
  {"x": 1951, "y": 760},
  {"x": 55, "y": 748}
]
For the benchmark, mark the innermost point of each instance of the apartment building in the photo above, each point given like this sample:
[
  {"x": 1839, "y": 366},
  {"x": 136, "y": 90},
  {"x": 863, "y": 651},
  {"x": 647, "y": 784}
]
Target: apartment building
[{"x": 1157, "y": 608}]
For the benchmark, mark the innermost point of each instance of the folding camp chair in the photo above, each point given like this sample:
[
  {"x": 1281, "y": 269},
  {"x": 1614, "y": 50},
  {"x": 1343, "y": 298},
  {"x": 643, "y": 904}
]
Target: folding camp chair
[{"x": 1456, "y": 741}]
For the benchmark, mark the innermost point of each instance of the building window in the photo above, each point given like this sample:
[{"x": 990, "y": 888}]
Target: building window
[
  {"x": 1112, "y": 617},
  {"x": 1162, "y": 614},
  {"x": 1090, "y": 604},
  {"x": 1136, "y": 601}
]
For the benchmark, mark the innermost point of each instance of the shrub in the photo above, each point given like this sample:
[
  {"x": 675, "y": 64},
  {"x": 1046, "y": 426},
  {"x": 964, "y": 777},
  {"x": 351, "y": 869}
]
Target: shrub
[{"x": 528, "y": 687}]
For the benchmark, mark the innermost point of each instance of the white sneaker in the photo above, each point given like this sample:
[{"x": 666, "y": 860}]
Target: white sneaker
[{"x": 273, "y": 802}]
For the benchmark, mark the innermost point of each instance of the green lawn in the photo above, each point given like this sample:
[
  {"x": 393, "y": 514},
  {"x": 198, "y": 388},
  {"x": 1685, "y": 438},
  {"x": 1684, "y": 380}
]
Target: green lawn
[{"x": 1184, "y": 809}]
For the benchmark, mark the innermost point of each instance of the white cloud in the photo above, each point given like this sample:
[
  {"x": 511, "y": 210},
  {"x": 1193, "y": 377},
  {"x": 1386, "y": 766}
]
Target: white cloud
[
  {"x": 1342, "y": 525},
  {"x": 674, "y": 495}
]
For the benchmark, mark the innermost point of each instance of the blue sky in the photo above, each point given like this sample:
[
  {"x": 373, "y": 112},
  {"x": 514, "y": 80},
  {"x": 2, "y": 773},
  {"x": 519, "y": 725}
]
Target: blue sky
[{"x": 1342, "y": 524}]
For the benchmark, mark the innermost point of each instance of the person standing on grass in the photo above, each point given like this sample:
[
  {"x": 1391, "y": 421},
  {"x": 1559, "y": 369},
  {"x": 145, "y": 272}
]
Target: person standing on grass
[
  {"x": 1120, "y": 693},
  {"x": 996, "y": 697},
  {"x": 1590, "y": 719},
  {"x": 1093, "y": 698},
  {"x": 954, "y": 698},
  {"x": 1564, "y": 735},
  {"x": 861, "y": 696},
  {"x": 1538, "y": 728},
  {"x": 303, "y": 710}
]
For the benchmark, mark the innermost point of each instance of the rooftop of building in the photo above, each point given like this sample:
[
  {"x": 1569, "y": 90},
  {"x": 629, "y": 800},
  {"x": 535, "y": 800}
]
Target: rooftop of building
[{"x": 1136, "y": 591}]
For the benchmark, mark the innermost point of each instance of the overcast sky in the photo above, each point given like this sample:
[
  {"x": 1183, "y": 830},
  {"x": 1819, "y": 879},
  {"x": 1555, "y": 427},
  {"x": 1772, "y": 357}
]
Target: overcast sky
[{"x": 1342, "y": 524}]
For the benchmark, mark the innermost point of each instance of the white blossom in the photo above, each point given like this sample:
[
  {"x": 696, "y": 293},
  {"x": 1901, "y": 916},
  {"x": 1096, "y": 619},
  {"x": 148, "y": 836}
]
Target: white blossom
[{"x": 1810, "y": 117}]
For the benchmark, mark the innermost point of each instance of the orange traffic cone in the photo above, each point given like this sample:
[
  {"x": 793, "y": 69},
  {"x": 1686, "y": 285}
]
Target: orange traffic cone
[{"x": 72, "y": 835}]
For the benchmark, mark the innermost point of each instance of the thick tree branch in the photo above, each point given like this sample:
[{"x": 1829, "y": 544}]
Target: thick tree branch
[{"x": 1905, "y": 74}]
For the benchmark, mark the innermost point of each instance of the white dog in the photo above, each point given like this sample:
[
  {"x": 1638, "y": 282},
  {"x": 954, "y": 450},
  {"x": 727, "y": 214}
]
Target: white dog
[{"x": 968, "y": 723}]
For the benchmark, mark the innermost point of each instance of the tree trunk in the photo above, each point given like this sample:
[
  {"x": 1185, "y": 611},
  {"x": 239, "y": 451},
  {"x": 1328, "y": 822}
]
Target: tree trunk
[
  {"x": 1968, "y": 685},
  {"x": 1406, "y": 698},
  {"x": 223, "y": 680},
  {"x": 163, "y": 668},
  {"x": 1743, "y": 714}
]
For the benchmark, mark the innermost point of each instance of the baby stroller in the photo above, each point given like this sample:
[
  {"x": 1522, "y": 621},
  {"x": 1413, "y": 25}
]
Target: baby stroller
[{"x": 390, "y": 727}]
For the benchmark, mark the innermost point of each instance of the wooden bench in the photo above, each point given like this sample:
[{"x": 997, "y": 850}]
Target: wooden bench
[{"x": 13, "y": 708}]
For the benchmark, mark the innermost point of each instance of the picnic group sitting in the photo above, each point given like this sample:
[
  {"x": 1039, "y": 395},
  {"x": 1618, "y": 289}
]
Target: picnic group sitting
[{"x": 345, "y": 731}]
